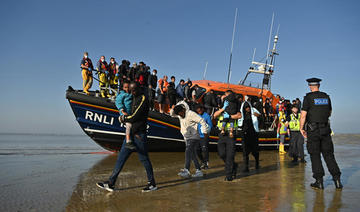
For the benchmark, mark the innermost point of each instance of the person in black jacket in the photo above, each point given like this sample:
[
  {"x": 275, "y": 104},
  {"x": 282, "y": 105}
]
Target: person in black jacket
[
  {"x": 132, "y": 72},
  {"x": 171, "y": 92},
  {"x": 210, "y": 102},
  {"x": 315, "y": 112},
  {"x": 152, "y": 83},
  {"x": 138, "y": 119},
  {"x": 123, "y": 69}
]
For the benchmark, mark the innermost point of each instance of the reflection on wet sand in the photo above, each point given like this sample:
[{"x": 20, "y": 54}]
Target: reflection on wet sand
[{"x": 278, "y": 186}]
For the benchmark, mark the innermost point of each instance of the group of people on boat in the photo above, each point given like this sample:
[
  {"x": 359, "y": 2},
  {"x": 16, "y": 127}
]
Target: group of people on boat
[{"x": 112, "y": 75}]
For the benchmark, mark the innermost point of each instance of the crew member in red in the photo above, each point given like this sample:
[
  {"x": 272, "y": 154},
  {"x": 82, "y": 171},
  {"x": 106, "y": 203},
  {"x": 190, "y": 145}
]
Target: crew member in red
[
  {"x": 103, "y": 70},
  {"x": 113, "y": 75}
]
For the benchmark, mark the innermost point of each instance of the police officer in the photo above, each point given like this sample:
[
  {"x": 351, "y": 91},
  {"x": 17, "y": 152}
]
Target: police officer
[
  {"x": 315, "y": 112},
  {"x": 296, "y": 148},
  {"x": 226, "y": 145}
]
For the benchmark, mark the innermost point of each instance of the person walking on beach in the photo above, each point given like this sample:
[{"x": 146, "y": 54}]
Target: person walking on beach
[
  {"x": 226, "y": 144},
  {"x": 315, "y": 126},
  {"x": 296, "y": 148},
  {"x": 138, "y": 119},
  {"x": 189, "y": 121},
  {"x": 250, "y": 129},
  {"x": 203, "y": 148}
]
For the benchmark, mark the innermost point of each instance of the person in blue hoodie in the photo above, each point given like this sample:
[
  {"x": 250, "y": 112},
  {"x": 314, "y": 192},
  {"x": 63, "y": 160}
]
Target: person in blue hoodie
[
  {"x": 203, "y": 150},
  {"x": 123, "y": 102}
]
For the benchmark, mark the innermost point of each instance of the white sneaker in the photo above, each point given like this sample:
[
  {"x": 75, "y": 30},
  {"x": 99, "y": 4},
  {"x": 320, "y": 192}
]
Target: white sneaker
[
  {"x": 198, "y": 173},
  {"x": 184, "y": 173}
]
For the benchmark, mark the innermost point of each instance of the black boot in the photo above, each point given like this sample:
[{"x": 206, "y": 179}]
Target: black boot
[
  {"x": 229, "y": 179},
  {"x": 246, "y": 169},
  {"x": 318, "y": 184},
  {"x": 295, "y": 160},
  {"x": 234, "y": 171},
  {"x": 338, "y": 184},
  {"x": 257, "y": 165},
  {"x": 246, "y": 161}
]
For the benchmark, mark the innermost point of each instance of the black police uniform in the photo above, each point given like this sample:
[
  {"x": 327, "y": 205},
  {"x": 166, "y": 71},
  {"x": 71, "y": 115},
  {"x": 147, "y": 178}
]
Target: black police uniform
[
  {"x": 318, "y": 107},
  {"x": 226, "y": 150}
]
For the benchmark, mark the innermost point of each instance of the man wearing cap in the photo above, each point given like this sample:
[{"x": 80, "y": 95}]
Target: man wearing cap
[
  {"x": 296, "y": 148},
  {"x": 315, "y": 112}
]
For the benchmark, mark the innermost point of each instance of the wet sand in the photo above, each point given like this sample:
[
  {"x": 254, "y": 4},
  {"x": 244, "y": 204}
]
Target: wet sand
[{"x": 278, "y": 186}]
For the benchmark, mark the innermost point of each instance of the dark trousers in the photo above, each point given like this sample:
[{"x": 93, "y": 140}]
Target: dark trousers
[
  {"x": 226, "y": 151},
  {"x": 172, "y": 99},
  {"x": 142, "y": 150},
  {"x": 203, "y": 150},
  {"x": 250, "y": 145},
  {"x": 296, "y": 147},
  {"x": 190, "y": 153},
  {"x": 151, "y": 94},
  {"x": 321, "y": 143}
]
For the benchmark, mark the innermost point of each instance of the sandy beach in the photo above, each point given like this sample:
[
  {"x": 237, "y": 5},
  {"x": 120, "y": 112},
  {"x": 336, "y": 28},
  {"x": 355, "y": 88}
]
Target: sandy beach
[{"x": 58, "y": 173}]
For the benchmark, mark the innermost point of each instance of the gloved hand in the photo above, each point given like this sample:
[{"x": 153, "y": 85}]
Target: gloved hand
[
  {"x": 278, "y": 135},
  {"x": 122, "y": 119},
  {"x": 226, "y": 103}
]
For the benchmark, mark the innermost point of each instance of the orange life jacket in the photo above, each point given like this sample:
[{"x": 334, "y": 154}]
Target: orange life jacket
[{"x": 163, "y": 85}]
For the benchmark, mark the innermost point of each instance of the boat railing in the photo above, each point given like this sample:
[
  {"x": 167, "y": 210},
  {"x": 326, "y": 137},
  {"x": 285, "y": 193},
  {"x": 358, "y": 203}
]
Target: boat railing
[
  {"x": 252, "y": 84},
  {"x": 112, "y": 97}
]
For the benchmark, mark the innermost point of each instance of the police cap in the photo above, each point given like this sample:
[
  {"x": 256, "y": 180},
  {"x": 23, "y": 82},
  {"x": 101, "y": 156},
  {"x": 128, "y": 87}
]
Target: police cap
[{"x": 314, "y": 81}]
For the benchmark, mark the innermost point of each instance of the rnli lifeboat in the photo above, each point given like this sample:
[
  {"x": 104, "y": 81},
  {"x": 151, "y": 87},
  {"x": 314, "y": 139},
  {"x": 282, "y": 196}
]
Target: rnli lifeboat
[{"x": 98, "y": 118}]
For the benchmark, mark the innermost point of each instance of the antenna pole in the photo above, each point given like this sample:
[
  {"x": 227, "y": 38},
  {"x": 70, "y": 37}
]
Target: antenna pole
[
  {"x": 268, "y": 49},
  {"x": 253, "y": 58},
  {"x": 267, "y": 54},
  {"x": 206, "y": 64},
  {"x": 232, "y": 46}
]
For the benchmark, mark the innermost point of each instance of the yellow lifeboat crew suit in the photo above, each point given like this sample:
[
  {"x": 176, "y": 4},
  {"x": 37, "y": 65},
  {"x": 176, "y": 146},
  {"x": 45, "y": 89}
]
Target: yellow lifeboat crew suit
[
  {"x": 113, "y": 75},
  {"x": 103, "y": 70},
  {"x": 281, "y": 133},
  {"x": 86, "y": 73}
]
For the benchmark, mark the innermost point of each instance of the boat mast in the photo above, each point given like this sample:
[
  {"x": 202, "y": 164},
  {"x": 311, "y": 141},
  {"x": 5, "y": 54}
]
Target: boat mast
[
  {"x": 273, "y": 53},
  {"x": 267, "y": 76},
  {"x": 266, "y": 69},
  {"x": 232, "y": 46},
  {"x": 206, "y": 64}
]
